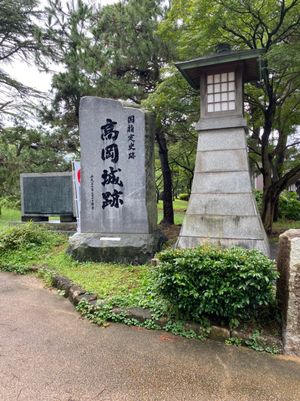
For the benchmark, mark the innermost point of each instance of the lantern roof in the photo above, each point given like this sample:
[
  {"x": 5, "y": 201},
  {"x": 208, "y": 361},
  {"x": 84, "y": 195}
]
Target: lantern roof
[{"x": 249, "y": 60}]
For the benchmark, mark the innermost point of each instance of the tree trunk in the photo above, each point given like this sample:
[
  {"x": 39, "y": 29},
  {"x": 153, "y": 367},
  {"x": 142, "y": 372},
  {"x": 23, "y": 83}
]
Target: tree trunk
[
  {"x": 268, "y": 212},
  {"x": 276, "y": 210},
  {"x": 270, "y": 206},
  {"x": 168, "y": 213}
]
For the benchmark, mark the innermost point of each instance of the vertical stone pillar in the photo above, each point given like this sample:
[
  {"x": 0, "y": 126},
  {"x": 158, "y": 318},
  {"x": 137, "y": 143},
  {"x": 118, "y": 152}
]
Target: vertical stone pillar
[{"x": 288, "y": 289}]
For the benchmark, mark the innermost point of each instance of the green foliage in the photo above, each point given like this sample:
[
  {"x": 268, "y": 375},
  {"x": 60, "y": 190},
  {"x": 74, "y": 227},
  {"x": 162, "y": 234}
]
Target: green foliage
[
  {"x": 99, "y": 58},
  {"x": 102, "y": 313},
  {"x": 25, "y": 236},
  {"x": 215, "y": 283},
  {"x": 23, "y": 247},
  {"x": 196, "y": 27},
  {"x": 178, "y": 328},
  {"x": 289, "y": 206},
  {"x": 7, "y": 216},
  {"x": 47, "y": 276},
  {"x": 254, "y": 342},
  {"x": 283, "y": 225},
  {"x": 21, "y": 37},
  {"x": 9, "y": 202},
  {"x": 184, "y": 197},
  {"x": 176, "y": 106},
  {"x": 26, "y": 150},
  {"x": 15, "y": 268},
  {"x": 259, "y": 199},
  {"x": 105, "y": 279}
]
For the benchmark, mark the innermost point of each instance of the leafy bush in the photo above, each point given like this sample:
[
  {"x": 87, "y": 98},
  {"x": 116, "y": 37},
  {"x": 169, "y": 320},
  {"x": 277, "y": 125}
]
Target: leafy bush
[
  {"x": 25, "y": 236},
  {"x": 184, "y": 197},
  {"x": 217, "y": 283},
  {"x": 289, "y": 206},
  {"x": 258, "y": 197},
  {"x": 9, "y": 202}
]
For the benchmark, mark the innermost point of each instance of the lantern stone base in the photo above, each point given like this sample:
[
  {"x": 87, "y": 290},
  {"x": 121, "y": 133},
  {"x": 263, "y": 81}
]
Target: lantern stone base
[
  {"x": 193, "y": 242},
  {"x": 117, "y": 248},
  {"x": 222, "y": 209}
]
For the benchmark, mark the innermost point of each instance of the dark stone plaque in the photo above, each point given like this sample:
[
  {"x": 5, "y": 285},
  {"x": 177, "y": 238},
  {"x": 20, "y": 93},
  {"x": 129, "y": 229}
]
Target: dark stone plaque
[{"x": 47, "y": 194}]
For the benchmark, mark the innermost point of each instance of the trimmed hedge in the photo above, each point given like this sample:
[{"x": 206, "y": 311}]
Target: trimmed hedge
[{"x": 228, "y": 284}]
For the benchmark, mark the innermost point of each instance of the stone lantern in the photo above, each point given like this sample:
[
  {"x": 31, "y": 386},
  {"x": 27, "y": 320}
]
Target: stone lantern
[{"x": 222, "y": 209}]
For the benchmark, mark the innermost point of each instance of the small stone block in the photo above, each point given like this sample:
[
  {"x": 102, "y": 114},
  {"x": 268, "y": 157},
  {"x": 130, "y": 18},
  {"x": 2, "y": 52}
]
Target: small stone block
[
  {"x": 62, "y": 283},
  {"x": 87, "y": 297},
  {"x": 139, "y": 314},
  {"x": 118, "y": 311},
  {"x": 74, "y": 292},
  {"x": 193, "y": 326},
  {"x": 154, "y": 262},
  {"x": 240, "y": 334},
  {"x": 162, "y": 321},
  {"x": 219, "y": 333},
  {"x": 288, "y": 289}
]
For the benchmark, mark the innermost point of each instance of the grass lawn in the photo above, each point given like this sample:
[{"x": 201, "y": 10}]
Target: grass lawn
[
  {"x": 104, "y": 279},
  {"x": 8, "y": 215},
  {"x": 283, "y": 225},
  {"x": 179, "y": 211},
  {"x": 178, "y": 205}
]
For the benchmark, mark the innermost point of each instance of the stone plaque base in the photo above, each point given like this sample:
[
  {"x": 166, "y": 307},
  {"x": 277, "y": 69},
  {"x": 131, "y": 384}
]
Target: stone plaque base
[
  {"x": 34, "y": 218},
  {"x": 117, "y": 248}
]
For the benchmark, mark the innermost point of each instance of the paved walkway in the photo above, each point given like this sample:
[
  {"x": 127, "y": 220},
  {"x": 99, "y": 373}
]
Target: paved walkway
[{"x": 47, "y": 352}]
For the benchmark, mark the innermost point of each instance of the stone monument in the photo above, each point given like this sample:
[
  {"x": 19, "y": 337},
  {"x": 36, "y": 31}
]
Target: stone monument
[
  {"x": 288, "y": 289},
  {"x": 118, "y": 216},
  {"x": 222, "y": 209}
]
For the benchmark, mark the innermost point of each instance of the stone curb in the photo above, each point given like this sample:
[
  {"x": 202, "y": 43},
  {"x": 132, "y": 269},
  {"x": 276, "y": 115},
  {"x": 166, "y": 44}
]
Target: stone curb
[{"x": 217, "y": 333}]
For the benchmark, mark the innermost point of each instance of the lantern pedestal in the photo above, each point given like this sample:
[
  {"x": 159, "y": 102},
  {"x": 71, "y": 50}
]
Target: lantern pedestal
[{"x": 222, "y": 209}]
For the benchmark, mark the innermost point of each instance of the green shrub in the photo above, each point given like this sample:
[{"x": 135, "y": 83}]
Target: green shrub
[
  {"x": 25, "y": 236},
  {"x": 184, "y": 197},
  {"x": 289, "y": 206},
  {"x": 212, "y": 283},
  {"x": 258, "y": 197},
  {"x": 10, "y": 202}
]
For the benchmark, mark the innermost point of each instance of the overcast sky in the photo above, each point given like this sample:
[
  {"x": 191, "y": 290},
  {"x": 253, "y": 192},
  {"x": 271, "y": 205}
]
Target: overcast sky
[{"x": 29, "y": 75}]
